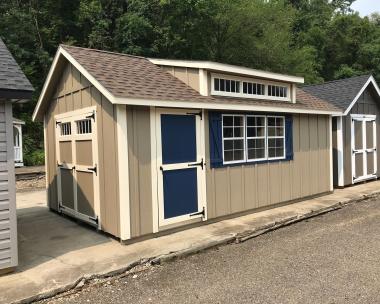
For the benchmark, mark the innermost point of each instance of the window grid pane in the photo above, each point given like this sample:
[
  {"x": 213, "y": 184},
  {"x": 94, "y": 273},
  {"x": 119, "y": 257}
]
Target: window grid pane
[
  {"x": 256, "y": 145},
  {"x": 233, "y": 138},
  {"x": 276, "y": 137}
]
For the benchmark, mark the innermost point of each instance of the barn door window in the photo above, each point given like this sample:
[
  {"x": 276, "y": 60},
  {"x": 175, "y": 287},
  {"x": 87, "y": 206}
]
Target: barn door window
[
  {"x": 65, "y": 128},
  {"x": 84, "y": 126}
]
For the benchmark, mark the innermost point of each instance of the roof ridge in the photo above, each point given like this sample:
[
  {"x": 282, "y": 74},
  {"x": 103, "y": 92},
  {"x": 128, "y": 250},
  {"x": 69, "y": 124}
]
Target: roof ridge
[
  {"x": 102, "y": 51},
  {"x": 336, "y": 80}
]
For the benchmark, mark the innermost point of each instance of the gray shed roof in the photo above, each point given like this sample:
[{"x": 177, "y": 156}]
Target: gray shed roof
[
  {"x": 13, "y": 82},
  {"x": 341, "y": 92}
]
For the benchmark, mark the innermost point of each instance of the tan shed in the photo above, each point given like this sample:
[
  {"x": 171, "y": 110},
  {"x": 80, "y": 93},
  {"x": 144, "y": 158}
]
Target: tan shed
[
  {"x": 356, "y": 132},
  {"x": 137, "y": 146}
]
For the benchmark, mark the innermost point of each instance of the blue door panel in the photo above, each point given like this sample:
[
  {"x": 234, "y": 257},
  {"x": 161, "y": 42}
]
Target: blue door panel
[
  {"x": 178, "y": 139},
  {"x": 180, "y": 192}
]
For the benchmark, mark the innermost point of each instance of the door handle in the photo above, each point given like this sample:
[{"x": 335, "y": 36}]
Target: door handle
[{"x": 200, "y": 164}]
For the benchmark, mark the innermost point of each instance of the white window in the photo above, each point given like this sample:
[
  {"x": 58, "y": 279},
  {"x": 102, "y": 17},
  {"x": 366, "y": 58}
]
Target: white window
[
  {"x": 65, "y": 128},
  {"x": 243, "y": 87},
  {"x": 277, "y": 91},
  {"x": 252, "y": 138},
  {"x": 226, "y": 85},
  {"x": 84, "y": 126},
  {"x": 252, "y": 88},
  {"x": 276, "y": 137},
  {"x": 256, "y": 137},
  {"x": 233, "y": 138}
]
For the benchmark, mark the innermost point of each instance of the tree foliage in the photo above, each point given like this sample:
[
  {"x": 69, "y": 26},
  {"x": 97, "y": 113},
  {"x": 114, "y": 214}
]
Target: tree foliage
[{"x": 318, "y": 39}]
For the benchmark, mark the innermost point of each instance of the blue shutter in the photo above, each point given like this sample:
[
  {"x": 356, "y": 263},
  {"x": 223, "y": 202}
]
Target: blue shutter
[
  {"x": 289, "y": 137},
  {"x": 216, "y": 153}
]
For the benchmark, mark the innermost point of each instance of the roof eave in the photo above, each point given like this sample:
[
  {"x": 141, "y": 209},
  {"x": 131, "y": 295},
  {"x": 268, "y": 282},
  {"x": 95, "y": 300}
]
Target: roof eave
[{"x": 220, "y": 106}]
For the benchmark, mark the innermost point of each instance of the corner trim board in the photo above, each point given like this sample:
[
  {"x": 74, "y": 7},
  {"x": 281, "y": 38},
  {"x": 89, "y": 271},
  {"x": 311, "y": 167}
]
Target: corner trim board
[
  {"x": 340, "y": 151},
  {"x": 123, "y": 174},
  {"x": 153, "y": 152}
]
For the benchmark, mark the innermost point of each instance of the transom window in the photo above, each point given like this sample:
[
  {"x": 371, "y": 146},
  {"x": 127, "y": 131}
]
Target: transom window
[
  {"x": 84, "y": 126},
  {"x": 253, "y": 138},
  {"x": 233, "y": 138},
  {"x": 246, "y": 88},
  {"x": 277, "y": 91},
  {"x": 65, "y": 128},
  {"x": 252, "y": 88},
  {"x": 226, "y": 85}
]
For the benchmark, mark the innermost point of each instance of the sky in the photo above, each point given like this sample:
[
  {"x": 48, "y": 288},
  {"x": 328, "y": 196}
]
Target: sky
[{"x": 366, "y": 7}]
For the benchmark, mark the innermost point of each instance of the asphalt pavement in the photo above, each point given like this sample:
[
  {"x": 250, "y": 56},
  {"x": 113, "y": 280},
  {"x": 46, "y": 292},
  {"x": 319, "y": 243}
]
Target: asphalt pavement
[{"x": 333, "y": 258}]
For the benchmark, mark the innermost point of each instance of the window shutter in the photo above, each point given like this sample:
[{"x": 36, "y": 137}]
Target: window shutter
[
  {"x": 216, "y": 153},
  {"x": 289, "y": 137}
]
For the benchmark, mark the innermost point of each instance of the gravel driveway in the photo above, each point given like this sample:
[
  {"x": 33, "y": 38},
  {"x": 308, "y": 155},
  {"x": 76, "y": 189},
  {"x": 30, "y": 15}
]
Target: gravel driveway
[{"x": 334, "y": 258}]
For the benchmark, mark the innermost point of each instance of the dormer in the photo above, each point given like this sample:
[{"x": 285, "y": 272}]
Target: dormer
[{"x": 217, "y": 79}]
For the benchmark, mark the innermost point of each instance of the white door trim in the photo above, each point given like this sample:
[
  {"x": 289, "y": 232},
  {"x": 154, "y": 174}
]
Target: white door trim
[
  {"x": 340, "y": 151},
  {"x": 201, "y": 173},
  {"x": 363, "y": 119},
  {"x": 72, "y": 117}
]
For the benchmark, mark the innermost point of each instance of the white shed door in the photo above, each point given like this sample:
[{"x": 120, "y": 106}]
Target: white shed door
[
  {"x": 77, "y": 165},
  {"x": 364, "y": 147}
]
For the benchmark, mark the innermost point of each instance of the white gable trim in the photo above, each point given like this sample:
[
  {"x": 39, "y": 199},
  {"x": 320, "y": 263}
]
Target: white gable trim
[
  {"x": 81, "y": 69},
  {"x": 227, "y": 68},
  {"x": 370, "y": 80}
]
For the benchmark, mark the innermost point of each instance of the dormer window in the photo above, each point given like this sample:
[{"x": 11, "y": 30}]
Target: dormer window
[
  {"x": 234, "y": 86},
  {"x": 277, "y": 91},
  {"x": 226, "y": 85}
]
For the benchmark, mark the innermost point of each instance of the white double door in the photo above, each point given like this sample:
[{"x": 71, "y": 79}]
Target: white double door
[{"x": 364, "y": 147}]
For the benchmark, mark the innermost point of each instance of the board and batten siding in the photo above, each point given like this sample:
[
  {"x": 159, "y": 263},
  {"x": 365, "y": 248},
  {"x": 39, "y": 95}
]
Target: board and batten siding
[
  {"x": 73, "y": 92},
  {"x": 237, "y": 189},
  {"x": 368, "y": 103},
  {"x": 190, "y": 76},
  {"x": 140, "y": 174},
  {"x": 8, "y": 225}
]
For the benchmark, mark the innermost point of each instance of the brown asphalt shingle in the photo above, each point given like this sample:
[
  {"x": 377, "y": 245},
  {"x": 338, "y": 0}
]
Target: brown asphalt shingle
[{"x": 127, "y": 76}]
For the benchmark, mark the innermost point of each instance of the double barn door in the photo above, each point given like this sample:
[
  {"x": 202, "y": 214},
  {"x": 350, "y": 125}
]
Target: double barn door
[
  {"x": 77, "y": 164},
  {"x": 364, "y": 151}
]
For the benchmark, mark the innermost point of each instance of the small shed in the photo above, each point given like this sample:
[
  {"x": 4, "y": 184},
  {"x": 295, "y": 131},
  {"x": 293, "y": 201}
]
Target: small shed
[
  {"x": 356, "y": 133},
  {"x": 137, "y": 146},
  {"x": 14, "y": 87}
]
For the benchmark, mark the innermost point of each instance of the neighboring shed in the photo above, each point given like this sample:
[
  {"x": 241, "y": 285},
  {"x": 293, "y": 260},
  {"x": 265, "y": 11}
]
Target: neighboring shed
[
  {"x": 356, "y": 133},
  {"x": 137, "y": 146},
  {"x": 14, "y": 87}
]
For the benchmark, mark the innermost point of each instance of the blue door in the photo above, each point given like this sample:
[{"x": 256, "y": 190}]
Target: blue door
[{"x": 180, "y": 167}]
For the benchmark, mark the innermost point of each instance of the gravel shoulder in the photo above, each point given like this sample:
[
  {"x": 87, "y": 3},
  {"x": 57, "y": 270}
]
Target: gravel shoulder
[{"x": 333, "y": 258}]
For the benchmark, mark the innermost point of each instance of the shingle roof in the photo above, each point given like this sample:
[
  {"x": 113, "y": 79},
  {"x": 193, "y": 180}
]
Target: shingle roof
[
  {"x": 126, "y": 76},
  {"x": 341, "y": 92},
  {"x": 11, "y": 76}
]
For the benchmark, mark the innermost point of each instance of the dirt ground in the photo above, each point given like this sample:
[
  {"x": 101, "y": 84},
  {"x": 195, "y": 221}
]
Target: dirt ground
[{"x": 34, "y": 183}]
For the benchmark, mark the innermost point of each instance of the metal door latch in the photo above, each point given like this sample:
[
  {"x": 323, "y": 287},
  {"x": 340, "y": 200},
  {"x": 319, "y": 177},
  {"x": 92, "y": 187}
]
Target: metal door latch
[
  {"x": 203, "y": 212},
  {"x": 200, "y": 164},
  {"x": 93, "y": 169}
]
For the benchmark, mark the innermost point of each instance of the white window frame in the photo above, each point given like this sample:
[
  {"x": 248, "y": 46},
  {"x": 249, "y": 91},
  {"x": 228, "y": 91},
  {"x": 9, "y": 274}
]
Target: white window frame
[
  {"x": 258, "y": 137},
  {"x": 245, "y": 79},
  {"x": 244, "y": 160},
  {"x": 276, "y": 137}
]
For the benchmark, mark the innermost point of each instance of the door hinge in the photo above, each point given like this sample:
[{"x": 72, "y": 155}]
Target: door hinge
[
  {"x": 94, "y": 169},
  {"x": 200, "y": 164},
  {"x": 91, "y": 116},
  {"x": 198, "y": 114},
  {"x": 59, "y": 165},
  {"x": 57, "y": 123},
  {"x": 203, "y": 213},
  {"x": 94, "y": 219}
]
